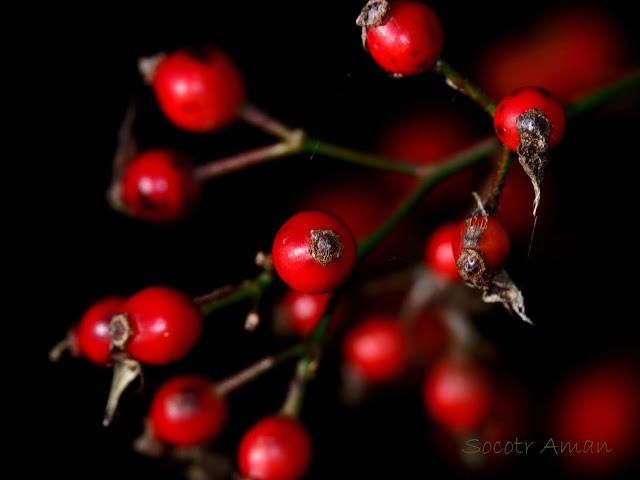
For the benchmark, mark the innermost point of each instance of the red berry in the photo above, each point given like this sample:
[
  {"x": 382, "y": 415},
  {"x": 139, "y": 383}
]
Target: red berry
[
  {"x": 595, "y": 406},
  {"x": 277, "y": 447},
  {"x": 377, "y": 348},
  {"x": 199, "y": 89},
  {"x": 159, "y": 325},
  {"x": 186, "y": 411},
  {"x": 520, "y": 101},
  {"x": 409, "y": 38},
  {"x": 90, "y": 336},
  {"x": 303, "y": 311},
  {"x": 158, "y": 185},
  {"x": 314, "y": 252},
  {"x": 457, "y": 393},
  {"x": 480, "y": 247},
  {"x": 569, "y": 51},
  {"x": 439, "y": 252}
]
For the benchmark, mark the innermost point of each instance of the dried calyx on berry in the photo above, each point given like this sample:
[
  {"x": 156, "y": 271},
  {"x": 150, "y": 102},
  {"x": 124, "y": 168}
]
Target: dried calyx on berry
[
  {"x": 373, "y": 14},
  {"x": 481, "y": 247},
  {"x": 534, "y": 129},
  {"x": 530, "y": 121}
]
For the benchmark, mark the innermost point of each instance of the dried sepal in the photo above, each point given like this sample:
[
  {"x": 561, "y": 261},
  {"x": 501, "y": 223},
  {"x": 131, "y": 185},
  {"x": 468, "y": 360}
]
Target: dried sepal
[
  {"x": 502, "y": 290},
  {"x": 125, "y": 371},
  {"x": 373, "y": 14},
  {"x": 534, "y": 129}
]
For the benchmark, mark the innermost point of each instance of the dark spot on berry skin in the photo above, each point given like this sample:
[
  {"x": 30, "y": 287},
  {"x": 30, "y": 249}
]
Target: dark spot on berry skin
[
  {"x": 392, "y": 59},
  {"x": 414, "y": 53},
  {"x": 184, "y": 404},
  {"x": 147, "y": 203},
  {"x": 311, "y": 262}
]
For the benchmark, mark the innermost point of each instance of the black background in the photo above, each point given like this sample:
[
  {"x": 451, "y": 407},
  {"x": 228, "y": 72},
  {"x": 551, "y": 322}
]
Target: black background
[{"x": 305, "y": 65}]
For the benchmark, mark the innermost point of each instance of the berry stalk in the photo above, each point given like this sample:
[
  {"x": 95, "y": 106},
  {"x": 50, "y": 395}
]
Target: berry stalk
[
  {"x": 602, "y": 96},
  {"x": 256, "y": 369},
  {"x": 491, "y": 205},
  {"x": 458, "y": 82},
  {"x": 448, "y": 167}
]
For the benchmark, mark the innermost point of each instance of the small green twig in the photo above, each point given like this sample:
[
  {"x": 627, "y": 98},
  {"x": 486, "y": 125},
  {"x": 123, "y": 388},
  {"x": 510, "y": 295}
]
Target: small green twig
[
  {"x": 242, "y": 160},
  {"x": 458, "y": 82},
  {"x": 491, "y": 205},
  {"x": 319, "y": 147},
  {"x": 230, "y": 294},
  {"x": 256, "y": 369},
  {"x": 596, "y": 99},
  {"x": 448, "y": 167},
  {"x": 306, "y": 368}
]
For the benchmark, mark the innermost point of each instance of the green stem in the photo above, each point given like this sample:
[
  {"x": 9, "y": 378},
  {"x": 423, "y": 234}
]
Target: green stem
[
  {"x": 494, "y": 197},
  {"x": 305, "y": 369},
  {"x": 317, "y": 146},
  {"x": 231, "y": 294},
  {"x": 596, "y": 99},
  {"x": 458, "y": 82},
  {"x": 256, "y": 369},
  {"x": 446, "y": 168}
]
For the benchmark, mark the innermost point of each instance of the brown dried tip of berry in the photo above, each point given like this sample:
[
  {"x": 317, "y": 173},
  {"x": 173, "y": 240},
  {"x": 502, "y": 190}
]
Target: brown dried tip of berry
[
  {"x": 373, "y": 14},
  {"x": 534, "y": 129},
  {"x": 325, "y": 246},
  {"x": 120, "y": 330},
  {"x": 472, "y": 268}
]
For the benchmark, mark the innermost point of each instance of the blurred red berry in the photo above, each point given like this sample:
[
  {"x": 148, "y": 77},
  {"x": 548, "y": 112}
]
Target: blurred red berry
[
  {"x": 457, "y": 394},
  {"x": 158, "y": 185},
  {"x": 186, "y": 411},
  {"x": 568, "y": 51},
  {"x": 277, "y": 447},
  {"x": 439, "y": 255},
  {"x": 594, "y": 406},
  {"x": 377, "y": 348},
  {"x": 303, "y": 311}
]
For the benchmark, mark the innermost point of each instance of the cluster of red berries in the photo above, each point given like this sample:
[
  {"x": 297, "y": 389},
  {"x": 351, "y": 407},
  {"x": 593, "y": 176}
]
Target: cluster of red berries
[{"x": 314, "y": 253}]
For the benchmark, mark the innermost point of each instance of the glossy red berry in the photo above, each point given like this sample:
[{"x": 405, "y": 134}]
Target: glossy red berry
[
  {"x": 314, "y": 252},
  {"x": 303, "y": 311},
  {"x": 159, "y": 325},
  {"x": 90, "y": 337},
  {"x": 403, "y": 37},
  {"x": 377, "y": 348},
  {"x": 186, "y": 411},
  {"x": 480, "y": 246},
  {"x": 439, "y": 252},
  {"x": 158, "y": 185},
  {"x": 199, "y": 89},
  {"x": 277, "y": 447},
  {"x": 457, "y": 394},
  {"x": 520, "y": 101}
]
